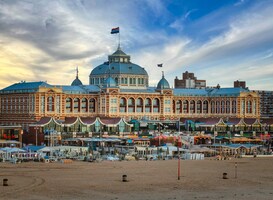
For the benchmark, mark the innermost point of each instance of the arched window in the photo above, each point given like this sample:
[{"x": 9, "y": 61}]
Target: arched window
[
  {"x": 139, "y": 104},
  {"x": 76, "y": 105},
  {"x": 222, "y": 107},
  {"x": 50, "y": 104},
  {"x": 185, "y": 106},
  {"x": 68, "y": 105},
  {"x": 234, "y": 107},
  {"x": 249, "y": 106},
  {"x": 199, "y": 106},
  {"x": 131, "y": 105},
  {"x": 84, "y": 105},
  {"x": 148, "y": 105},
  {"x": 205, "y": 107},
  {"x": 122, "y": 105},
  {"x": 156, "y": 106},
  {"x": 192, "y": 106},
  {"x": 212, "y": 106},
  {"x": 218, "y": 107},
  {"x": 92, "y": 105},
  {"x": 227, "y": 106},
  {"x": 178, "y": 106}
]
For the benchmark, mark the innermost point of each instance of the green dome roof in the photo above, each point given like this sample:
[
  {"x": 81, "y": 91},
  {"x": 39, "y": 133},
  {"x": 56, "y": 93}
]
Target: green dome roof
[
  {"x": 76, "y": 82},
  {"x": 118, "y": 63},
  {"x": 163, "y": 84}
]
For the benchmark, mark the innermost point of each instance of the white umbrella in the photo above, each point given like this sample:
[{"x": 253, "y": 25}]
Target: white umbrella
[{"x": 15, "y": 150}]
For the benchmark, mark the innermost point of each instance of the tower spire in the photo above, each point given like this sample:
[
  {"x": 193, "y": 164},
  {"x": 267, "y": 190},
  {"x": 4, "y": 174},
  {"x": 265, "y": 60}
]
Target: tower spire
[{"x": 77, "y": 72}]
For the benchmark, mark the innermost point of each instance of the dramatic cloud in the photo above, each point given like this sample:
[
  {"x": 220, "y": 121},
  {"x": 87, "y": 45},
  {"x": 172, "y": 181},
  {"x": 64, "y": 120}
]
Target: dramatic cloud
[{"x": 47, "y": 40}]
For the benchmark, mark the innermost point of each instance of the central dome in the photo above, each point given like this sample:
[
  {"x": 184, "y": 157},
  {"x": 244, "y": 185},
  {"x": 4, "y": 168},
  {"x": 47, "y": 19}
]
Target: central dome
[{"x": 122, "y": 70}]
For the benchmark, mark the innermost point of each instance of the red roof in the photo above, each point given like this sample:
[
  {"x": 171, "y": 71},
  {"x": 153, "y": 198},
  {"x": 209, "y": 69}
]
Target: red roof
[
  {"x": 88, "y": 120},
  {"x": 44, "y": 120},
  {"x": 267, "y": 121},
  {"x": 234, "y": 121},
  {"x": 110, "y": 120},
  {"x": 250, "y": 121},
  {"x": 70, "y": 120}
]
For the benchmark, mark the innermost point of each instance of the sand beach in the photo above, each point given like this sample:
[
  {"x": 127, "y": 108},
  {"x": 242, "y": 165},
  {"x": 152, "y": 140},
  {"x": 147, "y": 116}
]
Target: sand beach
[{"x": 200, "y": 179}]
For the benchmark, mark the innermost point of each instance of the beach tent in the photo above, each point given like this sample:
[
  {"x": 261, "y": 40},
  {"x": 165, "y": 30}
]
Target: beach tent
[
  {"x": 198, "y": 149},
  {"x": 15, "y": 150}
]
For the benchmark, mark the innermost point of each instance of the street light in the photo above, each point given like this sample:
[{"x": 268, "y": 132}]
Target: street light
[{"x": 36, "y": 138}]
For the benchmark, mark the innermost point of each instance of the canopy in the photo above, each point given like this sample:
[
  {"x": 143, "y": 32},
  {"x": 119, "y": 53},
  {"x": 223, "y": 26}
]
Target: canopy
[{"x": 12, "y": 150}]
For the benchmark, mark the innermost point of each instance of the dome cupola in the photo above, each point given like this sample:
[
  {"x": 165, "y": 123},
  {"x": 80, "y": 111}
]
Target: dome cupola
[
  {"x": 163, "y": 83},
  {"x": 77, "y": 81},
  {"x": 125, "y": 73}
]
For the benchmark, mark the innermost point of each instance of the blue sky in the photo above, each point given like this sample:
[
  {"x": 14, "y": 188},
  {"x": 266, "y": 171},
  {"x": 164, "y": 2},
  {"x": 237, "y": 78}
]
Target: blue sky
[{"x": 219, "y": 40}]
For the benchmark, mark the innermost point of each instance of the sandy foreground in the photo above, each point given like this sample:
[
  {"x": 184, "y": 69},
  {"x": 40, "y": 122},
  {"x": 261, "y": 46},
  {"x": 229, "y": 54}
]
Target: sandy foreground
[{"x": 200, "y": 179}]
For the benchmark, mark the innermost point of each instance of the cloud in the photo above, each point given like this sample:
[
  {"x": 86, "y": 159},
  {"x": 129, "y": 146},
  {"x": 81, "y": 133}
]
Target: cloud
[
  {"x": 222, "y": 57},
  {"x": 45, "y": 40}
]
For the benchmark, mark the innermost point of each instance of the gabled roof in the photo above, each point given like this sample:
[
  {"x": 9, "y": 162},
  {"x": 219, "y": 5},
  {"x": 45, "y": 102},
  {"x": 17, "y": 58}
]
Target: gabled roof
[
  {"x": 80, "y": 89},
  {"x": 211, "y": 121},
  {"x": 234, "y": 121},
  {"x": 45, "y": 121},
  {"x": 189, "y": 92},
  {"x": 148, "y": 90},
  {"x": 113, "y": 121},
  {"x": 227, "y": 91},
  {"x": 250, "y": 121},
  {"x": 69, "y": 121},
  {"x": 266, "y": 121},
  {"x": 25, "y": 87},
  {"x": 88, "y": 120},
  {"x": 74, "y": 89}
]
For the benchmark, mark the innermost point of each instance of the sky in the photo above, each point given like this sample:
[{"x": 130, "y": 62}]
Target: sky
[{"x": 220, "y": 41}]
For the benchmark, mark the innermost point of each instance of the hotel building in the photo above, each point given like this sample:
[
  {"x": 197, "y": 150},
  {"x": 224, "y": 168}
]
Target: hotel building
[{"x": 118, "y": 92}]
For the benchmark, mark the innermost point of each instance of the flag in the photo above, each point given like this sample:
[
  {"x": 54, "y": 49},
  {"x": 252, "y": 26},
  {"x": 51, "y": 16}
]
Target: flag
[
  {"x": 160, "y": 65},
  {"x": 115, "y": 30}
]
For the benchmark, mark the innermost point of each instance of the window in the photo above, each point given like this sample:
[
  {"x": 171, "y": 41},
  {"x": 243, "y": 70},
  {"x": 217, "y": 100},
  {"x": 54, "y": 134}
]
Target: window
[
  {"x": 50, "y": 104},
  {"x": 92, "y": 105},
  {"x": 76, "y": 105},
  {"x": 113, "y": 109},
  {"x": 205, "y": 107},
  {"x": 113, "y": 101},
  {"x": 249, "y": 106},
  {"x": 84, "y": 105},
  {"x": 185, "y": 106},
  {"x": 167, "y": 101},
  {"x": 68, "y": 105},
  {"x": 42, "y": 104}
]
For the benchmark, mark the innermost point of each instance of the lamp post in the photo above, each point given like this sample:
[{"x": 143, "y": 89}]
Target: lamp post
[
  {"x": 36, "y": 138},
  {"x": 178, "y": 167}
]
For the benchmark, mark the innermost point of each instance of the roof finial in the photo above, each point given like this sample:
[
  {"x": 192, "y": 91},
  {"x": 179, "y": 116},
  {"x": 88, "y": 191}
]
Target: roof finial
[
  {"x": 77, "y": 72},
  {"x": 162, "y": 74}
]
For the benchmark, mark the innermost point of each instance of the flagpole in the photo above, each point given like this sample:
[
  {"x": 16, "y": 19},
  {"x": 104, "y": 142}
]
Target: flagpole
[{"x": 119, "y": 38}]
